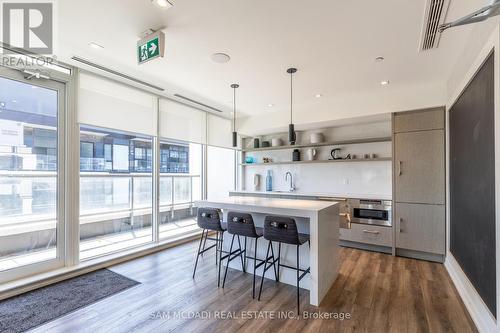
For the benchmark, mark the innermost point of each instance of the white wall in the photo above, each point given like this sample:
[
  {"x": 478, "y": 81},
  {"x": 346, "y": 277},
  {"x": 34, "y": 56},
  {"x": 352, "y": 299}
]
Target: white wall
[
  {"x": 372, "y": 177},
  {"x": 220, "y": 172},
  {"x": 485, "y": 37}
]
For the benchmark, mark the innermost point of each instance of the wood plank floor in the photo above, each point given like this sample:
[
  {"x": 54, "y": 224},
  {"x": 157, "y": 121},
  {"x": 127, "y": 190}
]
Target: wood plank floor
[{"x": 380, "y": 292}]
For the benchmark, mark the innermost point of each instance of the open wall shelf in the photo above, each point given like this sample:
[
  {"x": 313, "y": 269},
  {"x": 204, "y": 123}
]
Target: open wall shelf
[
  {"x": 381, "y": 159},
  {"x": 321, "y": 144}
]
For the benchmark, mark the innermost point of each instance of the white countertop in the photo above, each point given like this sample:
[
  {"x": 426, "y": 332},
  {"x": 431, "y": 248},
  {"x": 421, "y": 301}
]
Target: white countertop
[
  {"x": 320, "y": 194},
  {"x": 271, "y": 203}
]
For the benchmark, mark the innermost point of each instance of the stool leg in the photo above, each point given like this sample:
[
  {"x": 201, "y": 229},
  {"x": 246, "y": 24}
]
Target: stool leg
[
  {"x": 264, "y": 271},
  {"x": 279, "y": 261},
  {"x": 228, "y": 259},
  {"x": 254, "y": 268},
  {"x": 298, "y": 288},
  {"x": 274, "y": 264},
  {"x": 216, "y": 247},
  {"x": 241, "y": 256},
  {"x": 198, "y": 253},
  {"x": 220, "y": 257},
  {"x": 204, "y": 244},
  {"x": 245, "y": 256}
]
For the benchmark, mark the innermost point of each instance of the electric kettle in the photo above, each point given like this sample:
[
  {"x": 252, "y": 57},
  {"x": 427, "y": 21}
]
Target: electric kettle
[{"x": 336, "y": 154}]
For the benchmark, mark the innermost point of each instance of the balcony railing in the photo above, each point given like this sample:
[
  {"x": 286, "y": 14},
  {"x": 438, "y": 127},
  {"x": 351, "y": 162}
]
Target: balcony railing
[{"x": 29, "y": 197}]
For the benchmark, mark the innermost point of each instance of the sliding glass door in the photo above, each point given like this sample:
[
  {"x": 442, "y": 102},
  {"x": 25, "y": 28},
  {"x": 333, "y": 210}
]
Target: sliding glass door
[{"x": 31, "y": 174}]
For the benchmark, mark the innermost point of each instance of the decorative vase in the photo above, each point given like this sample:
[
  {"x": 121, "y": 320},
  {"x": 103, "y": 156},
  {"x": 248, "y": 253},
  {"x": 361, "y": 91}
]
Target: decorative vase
[
  {"x": 296, "y": 155},
  {"x": 256, "y": 143},
  {"x": 269, "y": 181},
  {"x": 256, "y": 182}
]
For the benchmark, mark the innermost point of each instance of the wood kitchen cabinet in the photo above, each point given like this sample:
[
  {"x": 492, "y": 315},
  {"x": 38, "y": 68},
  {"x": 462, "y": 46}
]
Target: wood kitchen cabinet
[
  {"x": 419, "y": 184},
  {"x": 420, "y": 227},
  {"x": 419, "y": 163},
  {"x": 420, "y": 120}
]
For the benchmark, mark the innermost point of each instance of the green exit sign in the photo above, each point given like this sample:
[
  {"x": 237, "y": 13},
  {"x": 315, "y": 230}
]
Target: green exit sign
[{"x": 150, "y": 47}]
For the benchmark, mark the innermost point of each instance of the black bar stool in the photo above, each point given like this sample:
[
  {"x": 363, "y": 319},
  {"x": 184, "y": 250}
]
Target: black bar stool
[
  {"x": 209, "y": 219},
  {"x": 284, "y": 230},
  {"x": 241, "y": 224}
]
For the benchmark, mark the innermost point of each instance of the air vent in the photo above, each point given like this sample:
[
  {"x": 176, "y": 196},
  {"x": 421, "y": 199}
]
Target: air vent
[
  {"x": 108, "y": 70},
  {"x": 435, "y": 13},
  {"x": 198, "y": 103}
]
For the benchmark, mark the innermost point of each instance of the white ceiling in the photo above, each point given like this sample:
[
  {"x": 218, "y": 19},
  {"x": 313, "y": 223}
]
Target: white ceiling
[{"x": 332, "y": 43}]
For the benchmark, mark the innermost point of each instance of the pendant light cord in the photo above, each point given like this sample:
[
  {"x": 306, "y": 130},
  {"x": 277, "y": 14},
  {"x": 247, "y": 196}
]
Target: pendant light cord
[
  {"x": 234, "y": 109},
  {"x": 291, "y": 98}
]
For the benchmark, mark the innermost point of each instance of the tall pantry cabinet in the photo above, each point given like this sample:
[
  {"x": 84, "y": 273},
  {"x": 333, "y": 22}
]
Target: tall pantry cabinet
[{"x": 419, "y": 183}]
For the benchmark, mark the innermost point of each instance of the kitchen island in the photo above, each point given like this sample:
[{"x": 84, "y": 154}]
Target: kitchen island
[{"x": 320, "y": 219}]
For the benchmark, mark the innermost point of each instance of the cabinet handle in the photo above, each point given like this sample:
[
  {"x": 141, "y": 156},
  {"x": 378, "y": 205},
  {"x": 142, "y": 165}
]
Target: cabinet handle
[
  {"x": 371, "y": 232},
  {"x": 400, "y": 222},
  {"x": 400, "y": 171},
  {"x": 331, "y": 199}
]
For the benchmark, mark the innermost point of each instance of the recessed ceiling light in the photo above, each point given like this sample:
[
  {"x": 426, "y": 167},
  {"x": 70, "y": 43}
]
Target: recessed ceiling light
[
  {"x": 14, "y": 101},
  {"x": 220, "y": 58},
  {"x": 378, "y": 59},
  {"x": 384, "y": 83},
  {"x": 162, "y": 3},
  {"x": 2, "y": 104},
  {"x": 318, "y": 95},
  {"x": 270, "y": 105},
  {"x": 95, "y": 45}
]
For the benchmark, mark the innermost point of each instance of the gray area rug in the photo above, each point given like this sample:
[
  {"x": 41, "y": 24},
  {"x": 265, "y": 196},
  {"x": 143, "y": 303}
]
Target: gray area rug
[{"x": 37, "y": 307}]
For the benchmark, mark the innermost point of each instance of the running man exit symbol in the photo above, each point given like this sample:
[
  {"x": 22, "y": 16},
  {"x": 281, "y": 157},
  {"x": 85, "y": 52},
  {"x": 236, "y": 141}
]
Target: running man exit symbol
[{"x": 150, "y": 47}]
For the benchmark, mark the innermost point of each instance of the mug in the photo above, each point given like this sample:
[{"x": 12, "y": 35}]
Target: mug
[{"x": 311, "y": 154}]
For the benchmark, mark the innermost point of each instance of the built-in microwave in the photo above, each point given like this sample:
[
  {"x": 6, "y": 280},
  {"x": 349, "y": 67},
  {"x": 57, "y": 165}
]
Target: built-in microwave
[{"x": 377, "y": 212}]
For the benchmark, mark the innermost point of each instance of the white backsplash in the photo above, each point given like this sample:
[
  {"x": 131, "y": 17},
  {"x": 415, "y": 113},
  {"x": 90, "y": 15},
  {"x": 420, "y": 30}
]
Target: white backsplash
[{"x": 367, "y": 177}]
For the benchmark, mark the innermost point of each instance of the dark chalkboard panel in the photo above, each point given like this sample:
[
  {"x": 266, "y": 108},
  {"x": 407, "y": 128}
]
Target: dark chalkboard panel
[{"x": 472, "y": 183}]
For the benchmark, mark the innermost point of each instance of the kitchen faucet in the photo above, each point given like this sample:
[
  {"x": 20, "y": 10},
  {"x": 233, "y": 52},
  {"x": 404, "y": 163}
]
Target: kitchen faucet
[{"x": 292, "y": 188}]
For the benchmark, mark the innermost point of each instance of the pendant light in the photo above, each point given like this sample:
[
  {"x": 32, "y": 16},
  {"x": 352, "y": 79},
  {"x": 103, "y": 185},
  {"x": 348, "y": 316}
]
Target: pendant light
[
  {"x": 235, "y": 135},
  {"x": 292, "y": 137}
]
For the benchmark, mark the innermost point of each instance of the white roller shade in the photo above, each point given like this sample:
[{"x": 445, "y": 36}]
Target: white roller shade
[
  {"x": 106, "y": 103},
  {"x": 181, "y": 122},
  {"x": 219, "y": 131}
]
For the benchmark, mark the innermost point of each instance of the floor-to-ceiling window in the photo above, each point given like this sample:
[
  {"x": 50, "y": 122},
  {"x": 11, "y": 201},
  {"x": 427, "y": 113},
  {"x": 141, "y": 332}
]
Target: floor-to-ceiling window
[
  {"x": 29, "y": 170},
  {"x": 115, "y": 191},
  {"x": 180, "y": 186},
  {"x": 117, "y": 133},
  {"x": 183, "y": 133}
]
